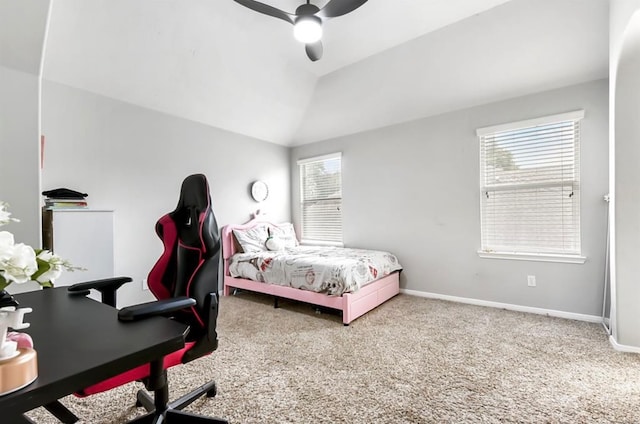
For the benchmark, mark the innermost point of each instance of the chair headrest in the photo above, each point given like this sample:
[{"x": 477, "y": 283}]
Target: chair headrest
[{"x": 194, "y": 193}]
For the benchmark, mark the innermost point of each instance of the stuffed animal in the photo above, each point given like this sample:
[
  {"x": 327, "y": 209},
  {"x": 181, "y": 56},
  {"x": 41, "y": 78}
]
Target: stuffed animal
[{"x": 274, "y": 243}]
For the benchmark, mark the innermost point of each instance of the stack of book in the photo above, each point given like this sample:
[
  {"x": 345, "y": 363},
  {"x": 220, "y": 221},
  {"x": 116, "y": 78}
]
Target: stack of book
[
  {"x": 64, "y": 199},
  {"x": 54, "y": 203}
]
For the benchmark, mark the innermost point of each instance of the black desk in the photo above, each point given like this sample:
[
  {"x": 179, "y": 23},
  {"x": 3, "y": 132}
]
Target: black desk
[{"x": 80, "y": 342}]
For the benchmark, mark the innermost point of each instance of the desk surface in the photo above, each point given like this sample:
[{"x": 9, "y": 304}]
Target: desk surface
[{"x": 80, "y": 342}]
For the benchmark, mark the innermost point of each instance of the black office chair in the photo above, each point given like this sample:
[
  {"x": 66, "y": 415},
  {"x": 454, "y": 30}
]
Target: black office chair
[{"x": 185, "y": 282}]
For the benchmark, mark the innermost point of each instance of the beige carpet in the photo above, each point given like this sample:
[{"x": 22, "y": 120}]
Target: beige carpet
[{"x": 412, "y": 360}]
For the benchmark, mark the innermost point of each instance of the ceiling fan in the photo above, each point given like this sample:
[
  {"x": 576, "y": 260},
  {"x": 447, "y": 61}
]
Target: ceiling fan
[{"x": 307, "y": 20}]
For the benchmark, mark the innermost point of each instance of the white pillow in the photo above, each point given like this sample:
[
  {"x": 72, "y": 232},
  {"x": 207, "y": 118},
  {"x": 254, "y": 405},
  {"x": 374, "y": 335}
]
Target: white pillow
[
  {"x": 252, "y": 239},
  {"x": 286, "y": 233}
]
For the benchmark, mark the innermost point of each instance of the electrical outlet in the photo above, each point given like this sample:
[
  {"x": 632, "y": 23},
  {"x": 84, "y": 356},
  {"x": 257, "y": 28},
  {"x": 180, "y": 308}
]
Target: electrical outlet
[
  {"x": 531, "y": 280},
  {"x": 145, "y": 286}
]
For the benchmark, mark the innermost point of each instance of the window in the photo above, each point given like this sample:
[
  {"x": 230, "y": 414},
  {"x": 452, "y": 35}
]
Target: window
[
  {"x": 530, "y": 189},
  {"x": 321, "y": 198}
]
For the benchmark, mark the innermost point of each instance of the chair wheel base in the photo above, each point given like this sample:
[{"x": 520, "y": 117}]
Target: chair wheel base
[
  {"x": 144, "y": 400},
  {"x": 172, "y": 412},
  {"x": 172, "y": 416},
  {"x": 61, "y": 412},
  {"x": 212, "y": 392}
]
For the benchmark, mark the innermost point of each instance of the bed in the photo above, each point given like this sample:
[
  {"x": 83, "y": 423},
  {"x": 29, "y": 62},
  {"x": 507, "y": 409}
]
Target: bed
[{"x": 353, "y": 281}]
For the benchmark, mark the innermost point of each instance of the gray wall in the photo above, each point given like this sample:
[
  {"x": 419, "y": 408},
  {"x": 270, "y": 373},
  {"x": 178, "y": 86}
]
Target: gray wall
[
  {"x": 410, "y": 188},
  {"x": 627, "y": 193},
  {"x": 413, "y": 189},
  {"x": 22, "y": 33},
  {"x": 133, "y": 160},
  {"x": 625, "y": 176},
  {"x": 19, "y": 151}
]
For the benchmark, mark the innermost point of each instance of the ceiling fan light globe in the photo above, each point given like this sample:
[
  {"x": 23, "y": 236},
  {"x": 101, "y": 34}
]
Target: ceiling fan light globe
[{"x": 307, "y": 29}]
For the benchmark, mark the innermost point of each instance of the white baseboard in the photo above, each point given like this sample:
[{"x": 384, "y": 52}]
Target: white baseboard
[
  {"x": 623, "y": 348},
  {"x": 508, "y": 306}
]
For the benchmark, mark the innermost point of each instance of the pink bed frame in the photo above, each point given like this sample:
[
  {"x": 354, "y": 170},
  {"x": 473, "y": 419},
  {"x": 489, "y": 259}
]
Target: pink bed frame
[{"x": 352, "y": 305}]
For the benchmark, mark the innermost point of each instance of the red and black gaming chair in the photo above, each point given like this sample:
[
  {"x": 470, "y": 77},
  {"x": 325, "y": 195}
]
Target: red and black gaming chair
[{"x": 185, "y": 282}]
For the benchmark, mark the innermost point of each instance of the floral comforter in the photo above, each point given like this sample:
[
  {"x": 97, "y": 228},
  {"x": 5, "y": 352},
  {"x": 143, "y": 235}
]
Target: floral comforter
[{"x": 331, "y": 270}]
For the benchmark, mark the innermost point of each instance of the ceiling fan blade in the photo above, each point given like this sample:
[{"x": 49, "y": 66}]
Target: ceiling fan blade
[
  {"x": 267, "y": 10},
  {"x": 339, "y": 7},
  {"x": 314, "y": 50}
]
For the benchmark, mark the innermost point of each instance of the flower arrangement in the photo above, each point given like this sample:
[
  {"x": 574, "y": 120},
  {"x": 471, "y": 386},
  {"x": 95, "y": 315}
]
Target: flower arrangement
[{"x": 20, "y": 263}]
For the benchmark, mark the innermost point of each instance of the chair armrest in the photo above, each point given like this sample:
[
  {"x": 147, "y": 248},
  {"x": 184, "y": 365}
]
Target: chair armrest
[
  {"x": 106, "y": 283},
  {"x": 107, "y": 287},
  {"x": 157, "y": 308}
]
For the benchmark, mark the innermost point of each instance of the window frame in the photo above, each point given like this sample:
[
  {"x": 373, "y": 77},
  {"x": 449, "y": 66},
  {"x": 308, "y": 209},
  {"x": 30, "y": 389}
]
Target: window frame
[
  {"x": 315, "y": 159},
  {"x": 545, "y": 256}
]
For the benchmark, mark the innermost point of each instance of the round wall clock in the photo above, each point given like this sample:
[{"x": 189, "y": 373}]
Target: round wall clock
[{"x": 259, "y": 191}]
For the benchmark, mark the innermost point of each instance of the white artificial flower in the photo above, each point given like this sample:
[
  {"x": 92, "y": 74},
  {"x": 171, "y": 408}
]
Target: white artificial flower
[
  {"x": 6, "y": 245},
  {"x": 55, "y": 263},
  {"x": 18, "y": 262},
  {"x": 46, "y": 255},
  {"x": 20, "y": 265},
  {"x": 5, "y": 216}
]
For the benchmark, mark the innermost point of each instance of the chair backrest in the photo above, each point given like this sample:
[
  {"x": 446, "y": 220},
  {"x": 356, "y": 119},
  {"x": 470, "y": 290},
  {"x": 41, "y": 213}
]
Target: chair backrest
[{"x": 189, "y": 265}]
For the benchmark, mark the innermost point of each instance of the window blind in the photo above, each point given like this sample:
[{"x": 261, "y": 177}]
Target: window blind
[
  {"x": 530, "y": 186},
  {"x": 321, "y": 198}
]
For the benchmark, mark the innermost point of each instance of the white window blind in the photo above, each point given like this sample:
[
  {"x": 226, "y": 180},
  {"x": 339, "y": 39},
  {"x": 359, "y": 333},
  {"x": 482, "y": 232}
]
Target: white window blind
[
  {"x": 321, "y": 198},
  {"x": 530, "y": 186}
]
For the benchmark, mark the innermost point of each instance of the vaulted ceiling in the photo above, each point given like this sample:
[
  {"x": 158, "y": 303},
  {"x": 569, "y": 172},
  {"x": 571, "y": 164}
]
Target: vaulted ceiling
[{"x": 218, "y": 63}]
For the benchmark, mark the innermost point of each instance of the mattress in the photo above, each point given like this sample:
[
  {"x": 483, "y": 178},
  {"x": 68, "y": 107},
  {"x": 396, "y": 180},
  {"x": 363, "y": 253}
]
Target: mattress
[{"x": 330, "y": 270}]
